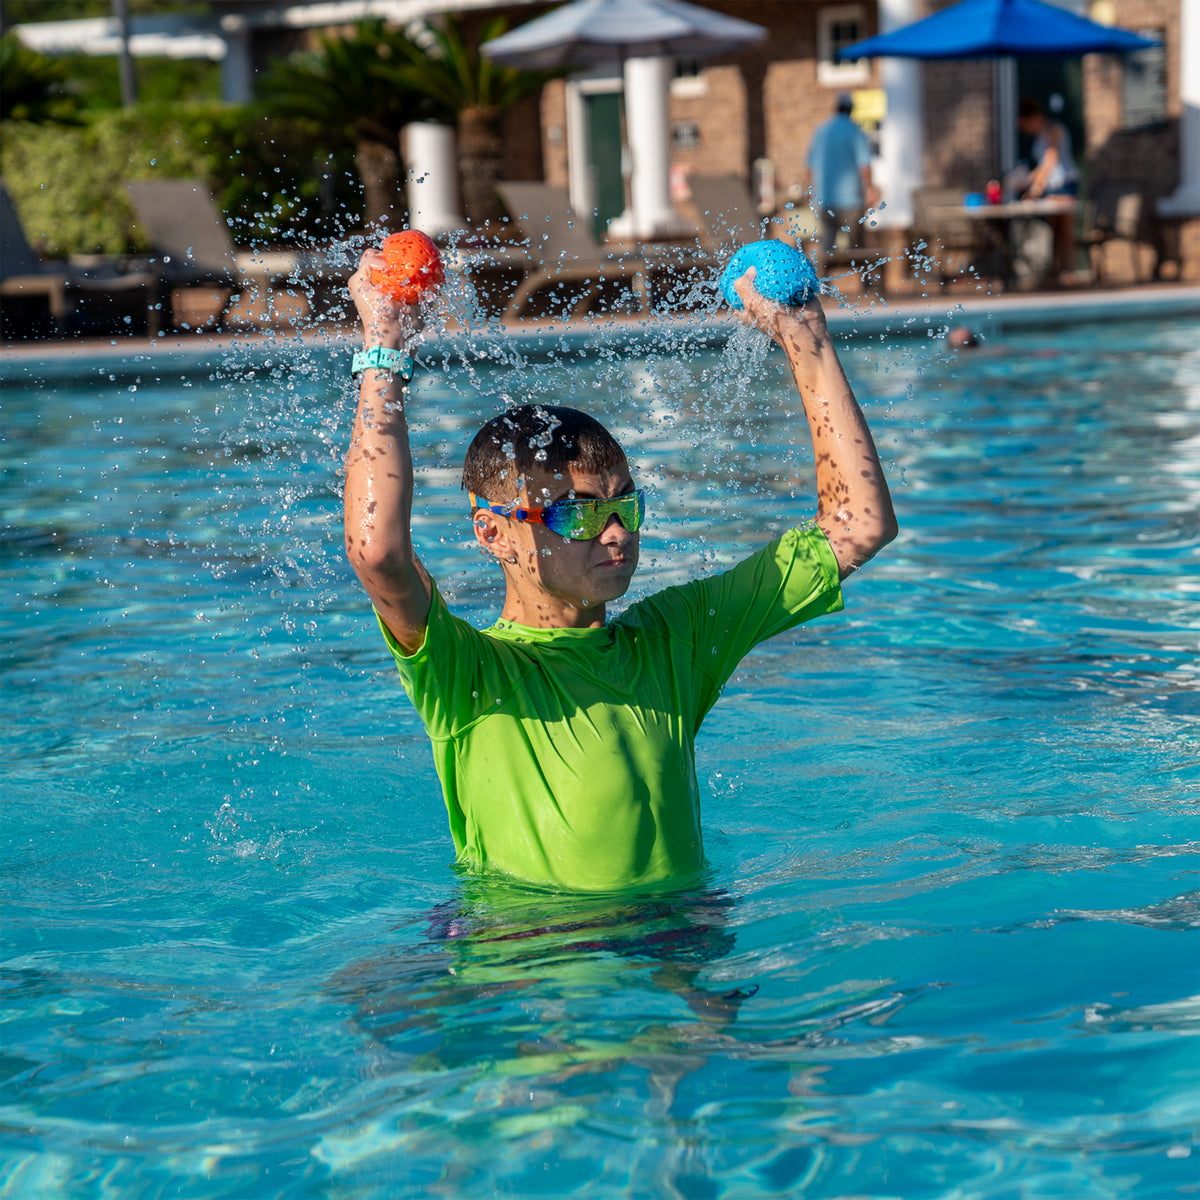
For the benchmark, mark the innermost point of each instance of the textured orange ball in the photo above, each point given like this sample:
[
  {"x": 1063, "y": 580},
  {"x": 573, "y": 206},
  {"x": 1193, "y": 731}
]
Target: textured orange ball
[{"x": 411, "y": 266}]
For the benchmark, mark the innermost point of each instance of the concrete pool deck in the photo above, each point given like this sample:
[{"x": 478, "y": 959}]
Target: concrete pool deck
[{"x": 923, "y": 317}]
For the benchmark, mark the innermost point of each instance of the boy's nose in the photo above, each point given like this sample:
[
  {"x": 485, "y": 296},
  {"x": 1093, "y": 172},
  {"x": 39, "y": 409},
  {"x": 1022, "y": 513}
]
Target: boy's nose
[{"x": 614, "y": 532}]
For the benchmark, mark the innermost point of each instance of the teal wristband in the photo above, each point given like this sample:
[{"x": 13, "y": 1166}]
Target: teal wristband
[{"x": 381, "y": 358}]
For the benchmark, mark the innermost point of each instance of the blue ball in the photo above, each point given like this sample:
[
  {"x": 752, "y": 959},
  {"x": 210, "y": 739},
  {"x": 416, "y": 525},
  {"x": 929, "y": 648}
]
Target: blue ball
[{"x": 783, "y": 273}]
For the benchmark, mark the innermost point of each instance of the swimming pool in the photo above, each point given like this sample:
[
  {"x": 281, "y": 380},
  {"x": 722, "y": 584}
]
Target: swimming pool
[{"x": 952, "y": 830}]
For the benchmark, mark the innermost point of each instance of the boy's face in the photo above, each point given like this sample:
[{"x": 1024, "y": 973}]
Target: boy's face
[{"x": 580, "y": 573}]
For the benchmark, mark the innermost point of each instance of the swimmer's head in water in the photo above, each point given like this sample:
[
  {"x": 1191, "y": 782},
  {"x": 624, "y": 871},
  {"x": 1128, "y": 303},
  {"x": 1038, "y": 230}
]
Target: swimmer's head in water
[{"x": 541, "y": 438}]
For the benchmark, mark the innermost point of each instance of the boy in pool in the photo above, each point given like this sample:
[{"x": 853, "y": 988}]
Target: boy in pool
[{"x": 564, "y": 741}]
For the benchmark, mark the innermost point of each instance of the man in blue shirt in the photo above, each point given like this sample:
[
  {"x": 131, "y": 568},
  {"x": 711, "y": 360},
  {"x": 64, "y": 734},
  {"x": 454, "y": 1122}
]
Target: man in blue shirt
[{"x": 839, "y": 165}]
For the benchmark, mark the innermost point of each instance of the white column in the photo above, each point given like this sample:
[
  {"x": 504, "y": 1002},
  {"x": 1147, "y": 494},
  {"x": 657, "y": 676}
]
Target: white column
[
  {"x": 1185, "y": 200},
  {"x": 648, "y": 140},
  {"x": 237, "y": 72},
  {"x": 432, "y": 178},
  {"x": 901, "y": 137}
]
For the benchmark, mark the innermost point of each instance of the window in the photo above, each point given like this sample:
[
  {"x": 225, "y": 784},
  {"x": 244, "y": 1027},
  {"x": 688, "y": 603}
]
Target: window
[
  {"x": 1144, "y": 84},
  {"x": 688, "y": 78},
  {"x": 685, "y": 135},
  {"x": 837, "y": 26}
]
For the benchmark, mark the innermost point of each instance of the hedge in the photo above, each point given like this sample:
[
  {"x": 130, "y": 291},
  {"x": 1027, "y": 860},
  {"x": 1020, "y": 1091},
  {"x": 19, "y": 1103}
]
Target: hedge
[{"x": 268, "y": 175}]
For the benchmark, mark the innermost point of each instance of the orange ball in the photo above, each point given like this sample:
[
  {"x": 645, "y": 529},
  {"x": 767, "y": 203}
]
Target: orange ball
[{"x": 411, "y": 265}]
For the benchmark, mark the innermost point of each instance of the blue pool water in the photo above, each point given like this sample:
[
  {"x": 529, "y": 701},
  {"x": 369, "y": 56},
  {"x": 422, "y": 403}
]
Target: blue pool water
[{"x": 952, "y": 831}]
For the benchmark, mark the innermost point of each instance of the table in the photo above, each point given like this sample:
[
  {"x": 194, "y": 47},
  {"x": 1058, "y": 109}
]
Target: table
[{"x": 997, "y": 220}]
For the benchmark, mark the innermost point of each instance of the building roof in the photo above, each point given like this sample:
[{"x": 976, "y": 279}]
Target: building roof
[{"x": 182, "y": 36}]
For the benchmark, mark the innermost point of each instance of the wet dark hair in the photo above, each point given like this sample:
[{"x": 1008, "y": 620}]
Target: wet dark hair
[
  {"x": 1027, "y": 108},
  {"x": 545, "y": 437}
]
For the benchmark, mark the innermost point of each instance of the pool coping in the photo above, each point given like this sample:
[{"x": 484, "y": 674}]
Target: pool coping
[{"x": 185, "y": 354}]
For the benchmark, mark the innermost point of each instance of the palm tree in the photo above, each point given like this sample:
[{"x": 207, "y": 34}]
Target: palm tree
[
  {"x": 474, "y": 92},
  {"x": 350, "y": 87}
]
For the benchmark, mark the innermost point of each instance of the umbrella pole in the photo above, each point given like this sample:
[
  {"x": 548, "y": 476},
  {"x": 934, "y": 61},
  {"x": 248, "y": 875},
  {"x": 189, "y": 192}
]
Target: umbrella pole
[{"x": 1004, "y": 108}]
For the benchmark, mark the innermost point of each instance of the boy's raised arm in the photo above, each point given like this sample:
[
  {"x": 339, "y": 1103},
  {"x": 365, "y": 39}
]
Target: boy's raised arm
[
  {"x": 379, "y": 475},
  {"x": 854, "y": 507}
]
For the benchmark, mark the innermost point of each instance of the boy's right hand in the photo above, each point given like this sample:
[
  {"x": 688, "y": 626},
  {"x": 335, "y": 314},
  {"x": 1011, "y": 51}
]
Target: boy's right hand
[
  {"x": 795, "y": 328},
  {"x": 385, "y": 322}
]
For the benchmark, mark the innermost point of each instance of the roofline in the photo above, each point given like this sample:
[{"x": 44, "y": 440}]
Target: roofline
[{"x": 179, "y": 36}]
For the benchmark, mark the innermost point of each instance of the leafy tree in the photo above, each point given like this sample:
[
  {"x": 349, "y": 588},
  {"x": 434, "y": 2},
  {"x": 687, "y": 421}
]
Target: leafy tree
[
  {"x": 349, "y": 88},
  {"x": 32, "y": 85},
  {"x": 96, "y": 82},
  {"x": 68, "y": 182},
  {"x": 473, "y": 91}
]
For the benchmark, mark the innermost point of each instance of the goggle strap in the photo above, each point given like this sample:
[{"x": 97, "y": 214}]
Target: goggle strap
[{"x": 506, "y": 510}]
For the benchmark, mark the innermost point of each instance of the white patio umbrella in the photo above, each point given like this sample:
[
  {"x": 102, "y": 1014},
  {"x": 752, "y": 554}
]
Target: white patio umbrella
[
  {"x": 588, "y": 32},
  {"x": 594, "y": 32}
]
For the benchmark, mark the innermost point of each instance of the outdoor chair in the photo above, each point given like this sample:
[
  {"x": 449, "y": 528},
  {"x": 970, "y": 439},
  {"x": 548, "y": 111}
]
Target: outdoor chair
[
  {"x": 188, "y": 238},
  {"x": 726, "y": 214},
  {"x": 943, "y": 237},
  {"x": 729, "y": 219},
  {"x": 726, "y": 219},
  {"x": 23, "y": 277},
  {"x": 1114, "y": 216},
  {"x": 569, "y": 272}
]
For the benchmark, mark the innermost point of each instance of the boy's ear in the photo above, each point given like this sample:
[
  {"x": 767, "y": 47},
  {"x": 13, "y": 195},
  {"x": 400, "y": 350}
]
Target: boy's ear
[{"x": 491, "y": 534}]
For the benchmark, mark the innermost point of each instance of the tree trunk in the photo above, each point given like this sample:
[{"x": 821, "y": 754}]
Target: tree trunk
[
  {"x": 480, "y": 162},
  {"x": 378, "y": 165}
]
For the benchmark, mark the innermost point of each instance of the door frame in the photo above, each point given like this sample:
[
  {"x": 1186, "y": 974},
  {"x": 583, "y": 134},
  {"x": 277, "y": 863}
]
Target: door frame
[{"x": 594, "y": 82}]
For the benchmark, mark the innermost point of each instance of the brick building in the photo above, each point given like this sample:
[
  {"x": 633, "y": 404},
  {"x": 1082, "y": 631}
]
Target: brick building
[
  {"x": 753, "y": 114},
  {"x": 1135, "y": 121}
]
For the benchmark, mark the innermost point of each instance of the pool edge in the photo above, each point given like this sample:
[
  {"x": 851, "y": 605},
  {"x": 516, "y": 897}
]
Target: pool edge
[{"x": 181, "y": 355}]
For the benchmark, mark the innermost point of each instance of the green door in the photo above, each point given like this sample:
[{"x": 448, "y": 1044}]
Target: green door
[{"x": 604, "y": 158}]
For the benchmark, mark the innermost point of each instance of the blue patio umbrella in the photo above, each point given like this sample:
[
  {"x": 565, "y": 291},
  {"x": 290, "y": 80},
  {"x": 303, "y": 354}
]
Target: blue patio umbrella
[
  {"x": 588, "y": 32},
  {"x": 998, "y": 29}
]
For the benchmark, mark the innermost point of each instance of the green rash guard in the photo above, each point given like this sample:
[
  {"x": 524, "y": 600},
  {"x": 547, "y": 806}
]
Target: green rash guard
[{"x": 566, "y": 756}]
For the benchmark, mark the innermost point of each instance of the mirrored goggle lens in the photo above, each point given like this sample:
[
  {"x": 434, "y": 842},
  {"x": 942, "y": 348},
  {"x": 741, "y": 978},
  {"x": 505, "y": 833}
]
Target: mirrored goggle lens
[{"x": 580, "y": 519}]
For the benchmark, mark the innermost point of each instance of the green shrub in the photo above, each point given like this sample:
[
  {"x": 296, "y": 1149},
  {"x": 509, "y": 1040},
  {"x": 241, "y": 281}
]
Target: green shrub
[{"x": 270, "y": 176}]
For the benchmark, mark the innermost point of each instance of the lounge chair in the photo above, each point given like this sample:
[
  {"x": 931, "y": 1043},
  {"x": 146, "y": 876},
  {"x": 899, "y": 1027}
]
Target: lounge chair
[
  {"x": 729, "y": 219},
  {"x": 566, "y": 260},
  {"x": 23, "y": 276},
  {"x": 727, "y": 216},
  {"x": 188, "y": 238},
  {"x": 191, "y": 239}
]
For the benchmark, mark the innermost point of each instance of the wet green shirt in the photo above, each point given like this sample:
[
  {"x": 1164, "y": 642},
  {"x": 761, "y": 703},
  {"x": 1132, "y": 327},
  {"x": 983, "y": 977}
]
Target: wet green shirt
[{"x": 566, "y": 756}]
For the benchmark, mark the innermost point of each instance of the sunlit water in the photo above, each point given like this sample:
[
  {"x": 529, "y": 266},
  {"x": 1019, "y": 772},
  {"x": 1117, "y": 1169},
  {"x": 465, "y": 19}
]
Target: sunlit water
[{"x": 952, "y": 830}]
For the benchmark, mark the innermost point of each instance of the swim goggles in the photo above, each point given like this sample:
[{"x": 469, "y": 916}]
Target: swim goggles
[{"x": 576, "y": 519}]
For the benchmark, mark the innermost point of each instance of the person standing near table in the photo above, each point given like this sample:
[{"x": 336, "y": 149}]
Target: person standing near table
[
  {"x": 839, "y": 166},
  {"x": 1054, "y": 175}
]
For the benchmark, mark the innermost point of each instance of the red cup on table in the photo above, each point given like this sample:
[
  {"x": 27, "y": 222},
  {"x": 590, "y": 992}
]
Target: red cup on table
[{"x": 993, "y": 191}]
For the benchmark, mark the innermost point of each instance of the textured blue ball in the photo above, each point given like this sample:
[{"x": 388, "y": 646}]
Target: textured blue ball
[{"x": 782, "y": 273}]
